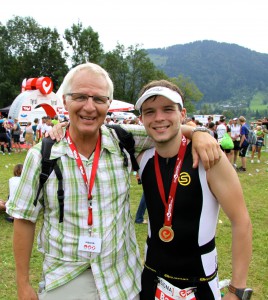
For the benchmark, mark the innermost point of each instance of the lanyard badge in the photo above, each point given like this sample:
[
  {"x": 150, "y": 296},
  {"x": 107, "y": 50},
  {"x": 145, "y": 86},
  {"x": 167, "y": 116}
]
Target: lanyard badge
[
  {"x": 80, "y": 165},
  {"x": 88, "y": 243}
]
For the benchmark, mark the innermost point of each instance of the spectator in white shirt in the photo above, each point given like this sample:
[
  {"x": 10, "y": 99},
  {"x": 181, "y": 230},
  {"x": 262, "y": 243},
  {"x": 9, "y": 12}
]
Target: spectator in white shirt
[
  {"x": 235, "y": 135},
  {"x": 221, "y": 128}
]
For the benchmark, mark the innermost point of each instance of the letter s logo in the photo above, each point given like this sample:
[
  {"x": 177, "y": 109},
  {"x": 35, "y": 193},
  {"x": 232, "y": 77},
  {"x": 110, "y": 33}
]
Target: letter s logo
[{"x": 184, "y": 179}]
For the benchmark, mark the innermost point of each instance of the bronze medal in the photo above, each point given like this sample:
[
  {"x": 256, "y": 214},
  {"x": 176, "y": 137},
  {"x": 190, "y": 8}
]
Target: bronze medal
[{"x": 166, "y": 234}]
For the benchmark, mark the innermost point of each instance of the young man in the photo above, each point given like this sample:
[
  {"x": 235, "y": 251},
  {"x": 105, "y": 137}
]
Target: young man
[
  {"x": 183, "y": 205},
  {"x": 93, "y": 253}
]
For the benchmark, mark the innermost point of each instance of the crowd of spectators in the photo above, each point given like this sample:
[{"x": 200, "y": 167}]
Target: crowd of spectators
[
  {"x": 239, "y": 131},
  {"x": 14, "y": 137},
  {"x": 125, "y": 120}
]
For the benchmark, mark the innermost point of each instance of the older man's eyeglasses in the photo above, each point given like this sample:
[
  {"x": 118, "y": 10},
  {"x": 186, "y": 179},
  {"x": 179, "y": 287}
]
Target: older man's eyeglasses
[{"x": 78, "y": 97}]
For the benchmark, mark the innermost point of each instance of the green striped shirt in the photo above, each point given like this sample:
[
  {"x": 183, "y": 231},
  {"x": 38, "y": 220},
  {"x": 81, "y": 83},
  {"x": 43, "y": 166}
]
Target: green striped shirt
[{"x": 117, "y": 268}]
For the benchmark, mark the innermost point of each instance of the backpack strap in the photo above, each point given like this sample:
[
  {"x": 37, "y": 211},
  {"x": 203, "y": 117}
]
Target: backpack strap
[
  {"x": 47, "y": 166},
  {"x": 60, "y": 191},
  {"x": 126, "y": 141}
]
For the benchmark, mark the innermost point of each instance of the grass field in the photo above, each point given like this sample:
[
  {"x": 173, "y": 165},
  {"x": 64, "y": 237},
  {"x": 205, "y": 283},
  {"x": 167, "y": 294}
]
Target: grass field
[
  {"x": 259, "y": 102},
  {"x": 255, "y": 187}
]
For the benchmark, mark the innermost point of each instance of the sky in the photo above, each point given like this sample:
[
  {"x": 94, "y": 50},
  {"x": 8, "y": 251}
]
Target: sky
[{"x": 153, "y": 24}]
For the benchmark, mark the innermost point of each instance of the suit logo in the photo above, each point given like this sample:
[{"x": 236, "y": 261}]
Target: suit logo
[{"x": 184, "y": 179}]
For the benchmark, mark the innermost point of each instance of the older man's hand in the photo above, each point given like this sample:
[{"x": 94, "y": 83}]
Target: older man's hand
[
  {"x": 206, "y": 148},
  {"x": 57, "y": 131}
]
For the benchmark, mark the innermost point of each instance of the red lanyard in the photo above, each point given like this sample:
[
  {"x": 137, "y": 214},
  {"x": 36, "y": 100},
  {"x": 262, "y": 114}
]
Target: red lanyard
[
  {"x": 171, "y": 198},
  {"x": 83, "y": 172}
]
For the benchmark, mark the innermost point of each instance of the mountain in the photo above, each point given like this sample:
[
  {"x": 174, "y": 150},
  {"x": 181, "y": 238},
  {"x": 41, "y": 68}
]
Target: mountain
[{"x": 221, "y": 71}]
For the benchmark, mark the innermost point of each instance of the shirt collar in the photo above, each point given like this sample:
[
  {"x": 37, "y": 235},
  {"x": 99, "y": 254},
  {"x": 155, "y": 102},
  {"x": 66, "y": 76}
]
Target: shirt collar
[{"x": 107, "y": 142}]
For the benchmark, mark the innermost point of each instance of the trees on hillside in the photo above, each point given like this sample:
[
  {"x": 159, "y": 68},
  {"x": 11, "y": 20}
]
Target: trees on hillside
[
  {"x": 190, "y": 91},
  {"x": 130, "y": 68},
  {"x": 221, "y": 71},
  {"x": 29, "y": 50},
  {"x": 84, "y": 43}
]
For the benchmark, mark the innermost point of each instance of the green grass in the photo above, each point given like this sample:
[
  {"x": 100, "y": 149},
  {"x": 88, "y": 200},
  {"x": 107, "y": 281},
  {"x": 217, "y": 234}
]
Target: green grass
[
  {"x": 255, "y": 189},
  {"x": 258, "y": 102}
]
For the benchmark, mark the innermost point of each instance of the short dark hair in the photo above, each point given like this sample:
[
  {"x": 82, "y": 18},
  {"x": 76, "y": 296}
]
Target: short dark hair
[
  {"x": 17, "y": 170},
  {"x": 211, "y": 125}
]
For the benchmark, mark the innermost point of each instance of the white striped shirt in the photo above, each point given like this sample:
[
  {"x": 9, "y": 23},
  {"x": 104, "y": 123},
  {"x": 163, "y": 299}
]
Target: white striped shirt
[{"x": 117, "y": 268}]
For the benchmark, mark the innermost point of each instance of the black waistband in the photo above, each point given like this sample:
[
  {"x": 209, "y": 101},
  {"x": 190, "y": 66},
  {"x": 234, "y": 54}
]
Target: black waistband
[{"x": 188, "y": 279}]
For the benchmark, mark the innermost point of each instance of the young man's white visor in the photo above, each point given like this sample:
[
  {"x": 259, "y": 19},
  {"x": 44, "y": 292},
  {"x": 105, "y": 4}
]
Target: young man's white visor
[{"x": 159, "y": 91}]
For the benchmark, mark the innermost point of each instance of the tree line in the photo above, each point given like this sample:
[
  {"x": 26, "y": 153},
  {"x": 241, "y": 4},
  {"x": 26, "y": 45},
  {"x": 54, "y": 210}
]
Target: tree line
[{"x": 28, "y": 50}]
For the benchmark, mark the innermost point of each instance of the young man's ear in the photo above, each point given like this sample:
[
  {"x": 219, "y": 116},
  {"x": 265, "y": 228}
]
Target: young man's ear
[
  {"x": 183, "y": 115},
  {"x": 141, "y": 118}
]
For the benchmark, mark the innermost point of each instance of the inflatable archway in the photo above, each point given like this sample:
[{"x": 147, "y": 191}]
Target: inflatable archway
[{"x": 35, "y": 101}]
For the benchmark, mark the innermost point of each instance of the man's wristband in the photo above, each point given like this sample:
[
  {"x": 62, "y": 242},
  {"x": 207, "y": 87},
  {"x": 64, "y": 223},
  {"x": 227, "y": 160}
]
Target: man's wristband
[{"x": 201, "y": 129}]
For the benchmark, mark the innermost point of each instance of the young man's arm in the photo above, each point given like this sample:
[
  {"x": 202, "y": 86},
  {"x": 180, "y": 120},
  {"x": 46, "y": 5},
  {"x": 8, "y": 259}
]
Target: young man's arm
[
  {"x": 225, "y": 185},
  {"x": 204, "y": 146},
  {"x": 22, "y": 245}
]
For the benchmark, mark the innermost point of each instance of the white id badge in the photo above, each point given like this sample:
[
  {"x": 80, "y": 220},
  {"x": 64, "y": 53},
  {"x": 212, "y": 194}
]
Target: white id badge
[
  {"x": 167, "y": 291},
  {"x": 89, "y": 244}
]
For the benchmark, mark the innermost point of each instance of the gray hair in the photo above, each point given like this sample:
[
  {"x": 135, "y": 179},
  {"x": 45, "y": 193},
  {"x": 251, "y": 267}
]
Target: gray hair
[{"x": 92, "y": 68}]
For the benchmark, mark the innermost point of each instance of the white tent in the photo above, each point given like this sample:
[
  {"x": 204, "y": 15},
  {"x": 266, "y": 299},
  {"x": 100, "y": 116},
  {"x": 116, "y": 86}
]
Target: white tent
[{"x": 118, "y": 105}]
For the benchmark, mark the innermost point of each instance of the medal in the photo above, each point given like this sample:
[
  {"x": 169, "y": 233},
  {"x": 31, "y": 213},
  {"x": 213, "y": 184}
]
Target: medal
[{"x": 166, "y": 233}]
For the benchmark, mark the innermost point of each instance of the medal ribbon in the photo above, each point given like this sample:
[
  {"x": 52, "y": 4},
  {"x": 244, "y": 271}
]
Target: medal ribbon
[
  {"x": 171, "y": 198},
  {"x": 80, "y": 165}
]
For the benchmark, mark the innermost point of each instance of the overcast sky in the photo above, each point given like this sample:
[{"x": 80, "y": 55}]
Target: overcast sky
[{"x": 153, "y": 24}]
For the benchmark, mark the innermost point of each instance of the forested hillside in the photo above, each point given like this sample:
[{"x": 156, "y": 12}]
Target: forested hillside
[
  {"x": 227, "y": 76},
  {"x": 221, "y": 71}
]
